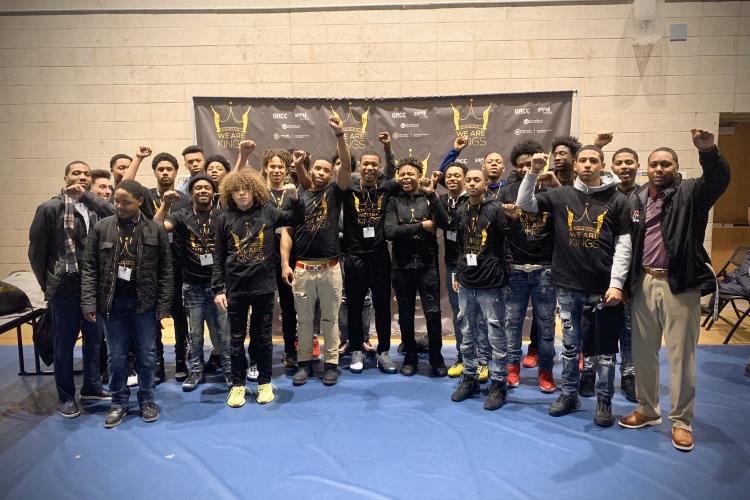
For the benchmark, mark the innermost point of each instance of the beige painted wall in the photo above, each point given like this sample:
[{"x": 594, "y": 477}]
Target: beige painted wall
[{"x": 84, "y": 86}]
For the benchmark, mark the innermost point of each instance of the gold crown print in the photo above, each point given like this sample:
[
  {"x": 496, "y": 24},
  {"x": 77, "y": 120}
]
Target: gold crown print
[
  {"x": 356, "y": 125},
  {"x": 234, "y": 125},
  {"x": 471, "y": 121}
]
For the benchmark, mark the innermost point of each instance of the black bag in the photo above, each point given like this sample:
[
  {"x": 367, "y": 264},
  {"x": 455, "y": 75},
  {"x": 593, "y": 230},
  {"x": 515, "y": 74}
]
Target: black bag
[
  {"x": 12, "y": 299},
  {"x": 43, "y": 343}
]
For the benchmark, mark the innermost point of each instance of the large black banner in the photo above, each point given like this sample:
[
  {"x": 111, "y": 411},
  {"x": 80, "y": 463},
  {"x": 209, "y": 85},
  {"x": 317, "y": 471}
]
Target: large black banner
[{"x": 424, "y": 127}]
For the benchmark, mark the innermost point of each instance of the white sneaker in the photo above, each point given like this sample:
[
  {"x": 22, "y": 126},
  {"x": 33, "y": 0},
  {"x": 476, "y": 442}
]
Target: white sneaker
[
  {"x": 252, "y": 373},
  {"x": 357, "y": 362},
  {"x": 132, "y": 379}
]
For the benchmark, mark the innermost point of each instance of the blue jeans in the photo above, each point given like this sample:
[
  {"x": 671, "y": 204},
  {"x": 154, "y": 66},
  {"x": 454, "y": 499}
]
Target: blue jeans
[
  {"x": 124, "y": 327},
  {"x": 483, "y": 349},
  {"x": 486, "y": 305},
  {"x": 200, "y": 307},
  {"x": 572, "y": 304},
  {"x": 67, "y": 321},
  {"x": 522, "y": 286}
]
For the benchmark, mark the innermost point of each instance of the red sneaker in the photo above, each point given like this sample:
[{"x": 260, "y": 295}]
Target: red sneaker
[
  {"x": 532, "y": 357},
  {"x": 514, "y": 378},
  {"x": 546, "y": 382},
  {"x": 580, "y": 362},
  {"x": 316, "y": 349}
]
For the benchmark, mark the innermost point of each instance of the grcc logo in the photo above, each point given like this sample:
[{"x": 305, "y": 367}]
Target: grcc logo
[
  {"x": 397, "y": 114},
  {"x": 280, "y": 116},
  {"x": 523, "y": 111}
]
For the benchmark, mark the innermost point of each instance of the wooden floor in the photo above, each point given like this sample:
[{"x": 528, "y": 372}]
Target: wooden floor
[{"x": 713, "y": 336}]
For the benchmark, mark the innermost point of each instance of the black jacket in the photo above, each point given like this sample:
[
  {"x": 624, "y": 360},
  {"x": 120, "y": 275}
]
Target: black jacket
[
  {"x": 683, "y": 226},
  {"x": 153, "y": 277},
  {"x": 47, "y": 243},
  {"x": 413, "y": 247}
]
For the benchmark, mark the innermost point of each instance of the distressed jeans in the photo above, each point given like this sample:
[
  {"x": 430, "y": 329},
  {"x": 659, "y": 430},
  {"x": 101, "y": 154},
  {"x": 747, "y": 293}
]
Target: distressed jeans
[
  {"x": 200, "y": 307},
  {"x": 487, "y": 304},
  {"x": 573, "y": 304},
  {"x": 520, "y": 287}
]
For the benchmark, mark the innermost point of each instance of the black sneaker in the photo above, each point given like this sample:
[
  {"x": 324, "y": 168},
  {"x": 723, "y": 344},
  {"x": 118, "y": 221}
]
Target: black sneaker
[
  {"x": 603, "y": 416},
  {"x": 213, "y": 364},
  {"x": 114, "y": 416},
  {"x": 304, "y": 370},
  {"x": 409, "y": 366},
  {"x": 586, "y": 387},
  {"x": 439, "y": 370},
  {"x": 193, "y": 380},
  {"x": 565, "y": 404},
  {"x": 497, "y": 394},
  {"x": 331, "y": 374},
  {"x": 159, "y": 374},
  {"x": 627, "y": 384},
  {"x": 98, "y": 394},
  {"x": 149, "y": 411},
  {"x": 68, "y": 409},
  {"x": 181, "y": 371},
  {"x": 467, "y": 388},
  {"x": 289, "y": 360}
]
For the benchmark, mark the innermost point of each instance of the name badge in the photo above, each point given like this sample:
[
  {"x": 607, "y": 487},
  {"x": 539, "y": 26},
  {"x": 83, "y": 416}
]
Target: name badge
[
  {"x": 124, "y": 273},
  {"x": 207, "y": 259},
  {"x": 170, "y": 237},
  {"x": 368, "y": 232},
  {"x": 451, "y": 235},
  {"x": 471, "y": 259}
]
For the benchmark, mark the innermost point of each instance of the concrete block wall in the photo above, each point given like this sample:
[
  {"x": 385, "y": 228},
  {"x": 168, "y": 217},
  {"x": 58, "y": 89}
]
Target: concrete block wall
[{"x": 89, "y": 85}]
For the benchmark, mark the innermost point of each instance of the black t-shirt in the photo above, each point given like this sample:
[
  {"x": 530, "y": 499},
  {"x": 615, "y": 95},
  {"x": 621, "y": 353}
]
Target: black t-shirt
[
  {"x": 531, "y": 237},
  {"x": 318, "y": 237},
  {"x": 586, "y": 228},
  {"x": 450, "y": 235},
  {"x": 481, "y": 245},
  {"x": 127, "y": 259},
  {"x": 245, "y": 257},
  {"x": 363, "y": 217},
  {"x": 282, "y": 202},
  {"x": 194, "y": 238}
]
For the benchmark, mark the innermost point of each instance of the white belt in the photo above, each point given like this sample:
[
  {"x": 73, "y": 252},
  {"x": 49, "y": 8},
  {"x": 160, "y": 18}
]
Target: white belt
[{"x": 527, "y": 268}]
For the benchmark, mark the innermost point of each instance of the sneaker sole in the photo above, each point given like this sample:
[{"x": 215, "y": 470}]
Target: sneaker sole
[
  {"x": 188, "y": 388},
  {"x": 70, "y": 415},
  {"x": 641, "y": 426},
  {"x": 547, "y": 391},
  {"x": 115, "y": 424},
  {"x": 604, "y": 423},
  {"x": 95, "y": 398},
  {"x": 387, "y": 371},
  {"x": 683, "y": 448},
  {"x": 512, "y": 386},
  {"x": 264, "y": 402},
  {"x": 234, "y": 405},
  {"x": 567, "y": 411},
  {"x": 149, "y": 420}
]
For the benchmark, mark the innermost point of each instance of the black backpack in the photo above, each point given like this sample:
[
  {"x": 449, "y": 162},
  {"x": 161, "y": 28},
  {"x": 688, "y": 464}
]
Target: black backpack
[{"x": 12, "y": 299}]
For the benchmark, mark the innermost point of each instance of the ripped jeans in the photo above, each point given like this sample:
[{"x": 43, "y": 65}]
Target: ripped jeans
[
  {"x": 572, "y": 305},
  {"x": 488, "y": 305}
]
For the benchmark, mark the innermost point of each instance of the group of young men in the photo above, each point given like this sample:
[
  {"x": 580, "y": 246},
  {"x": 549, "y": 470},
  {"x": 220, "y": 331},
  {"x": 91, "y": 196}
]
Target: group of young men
[{"x": 624, "y": 263}]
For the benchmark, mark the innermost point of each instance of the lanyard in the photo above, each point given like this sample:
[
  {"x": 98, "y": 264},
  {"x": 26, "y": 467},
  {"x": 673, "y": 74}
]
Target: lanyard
[
  {"x": 277, "y": 200},
  {"x": 204, "y": 229}
]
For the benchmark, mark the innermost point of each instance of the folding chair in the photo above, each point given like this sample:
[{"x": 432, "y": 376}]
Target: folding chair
[{"x": 725, "y": 298}]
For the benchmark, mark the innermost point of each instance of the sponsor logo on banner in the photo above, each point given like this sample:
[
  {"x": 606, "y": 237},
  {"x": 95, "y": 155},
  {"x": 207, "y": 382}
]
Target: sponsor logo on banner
[
  {"x": 471, "y": 125},
  {"x": 521, "y": 131},
  {"x": 354, "y": 130},
  {"x": 545, "y": 110},
  {"x": 230, "y": 131}
]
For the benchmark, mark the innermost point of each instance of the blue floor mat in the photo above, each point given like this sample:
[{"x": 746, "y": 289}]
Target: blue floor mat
[{"x": 372, "y": 436}]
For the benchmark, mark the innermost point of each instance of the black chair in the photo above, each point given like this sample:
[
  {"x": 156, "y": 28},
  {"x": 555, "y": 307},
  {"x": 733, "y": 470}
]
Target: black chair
[{"x": 724, "y": 299}]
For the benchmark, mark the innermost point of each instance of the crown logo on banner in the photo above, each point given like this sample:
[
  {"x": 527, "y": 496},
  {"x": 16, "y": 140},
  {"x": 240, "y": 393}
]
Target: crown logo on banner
[
  {"x": 354, "y": 130},
  {"x": 230, "y": 131},
  {"x": 472, "y": 126}
]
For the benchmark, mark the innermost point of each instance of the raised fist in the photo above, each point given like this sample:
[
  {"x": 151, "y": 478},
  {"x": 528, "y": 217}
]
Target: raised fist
[
  {"x": 538, "y": 161},
  {"x": 143, "y": 152},
  {"x": 335, "y": 123},
  {"x": 461, "y": 142},
  {"x": 603, "y": 138},
  {"x": 247, "y": 147},
  {"x": 703, "y": 139}
]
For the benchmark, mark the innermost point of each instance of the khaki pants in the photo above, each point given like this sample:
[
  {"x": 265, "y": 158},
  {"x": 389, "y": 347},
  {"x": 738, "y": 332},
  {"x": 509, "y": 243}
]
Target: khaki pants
[
  {"x": 324, "y": 286},
  {"x": 656, "y": 313}
]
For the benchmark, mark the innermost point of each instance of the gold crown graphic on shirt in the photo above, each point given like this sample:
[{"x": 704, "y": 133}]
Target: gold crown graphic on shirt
[
  {"x": 231, "y": 123},
  {"x": 471, "y": 121},
  {"x": 585, "y": 225}
]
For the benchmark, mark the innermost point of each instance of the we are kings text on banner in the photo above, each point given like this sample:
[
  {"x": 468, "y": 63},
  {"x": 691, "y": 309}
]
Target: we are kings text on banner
[{"x": 423, "y": 126}]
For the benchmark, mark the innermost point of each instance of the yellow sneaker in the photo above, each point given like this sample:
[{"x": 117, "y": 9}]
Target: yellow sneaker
[
  {"x": 236, "y": 396},
  {"x": 265, "y": 394},
  {"x": 484, "y": 373},
  {"x": 456, "y": 370}
]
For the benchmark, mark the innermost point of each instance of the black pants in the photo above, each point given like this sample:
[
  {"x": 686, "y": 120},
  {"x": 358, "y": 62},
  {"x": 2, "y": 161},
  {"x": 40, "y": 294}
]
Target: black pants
[
  {"x": 260, "y": 332},
  {"x": 362, "y": 273},
  {"x": 406, "y": 283},
  {"x": 288, "y": 314},
  {"x": 179, "y": 316}
]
